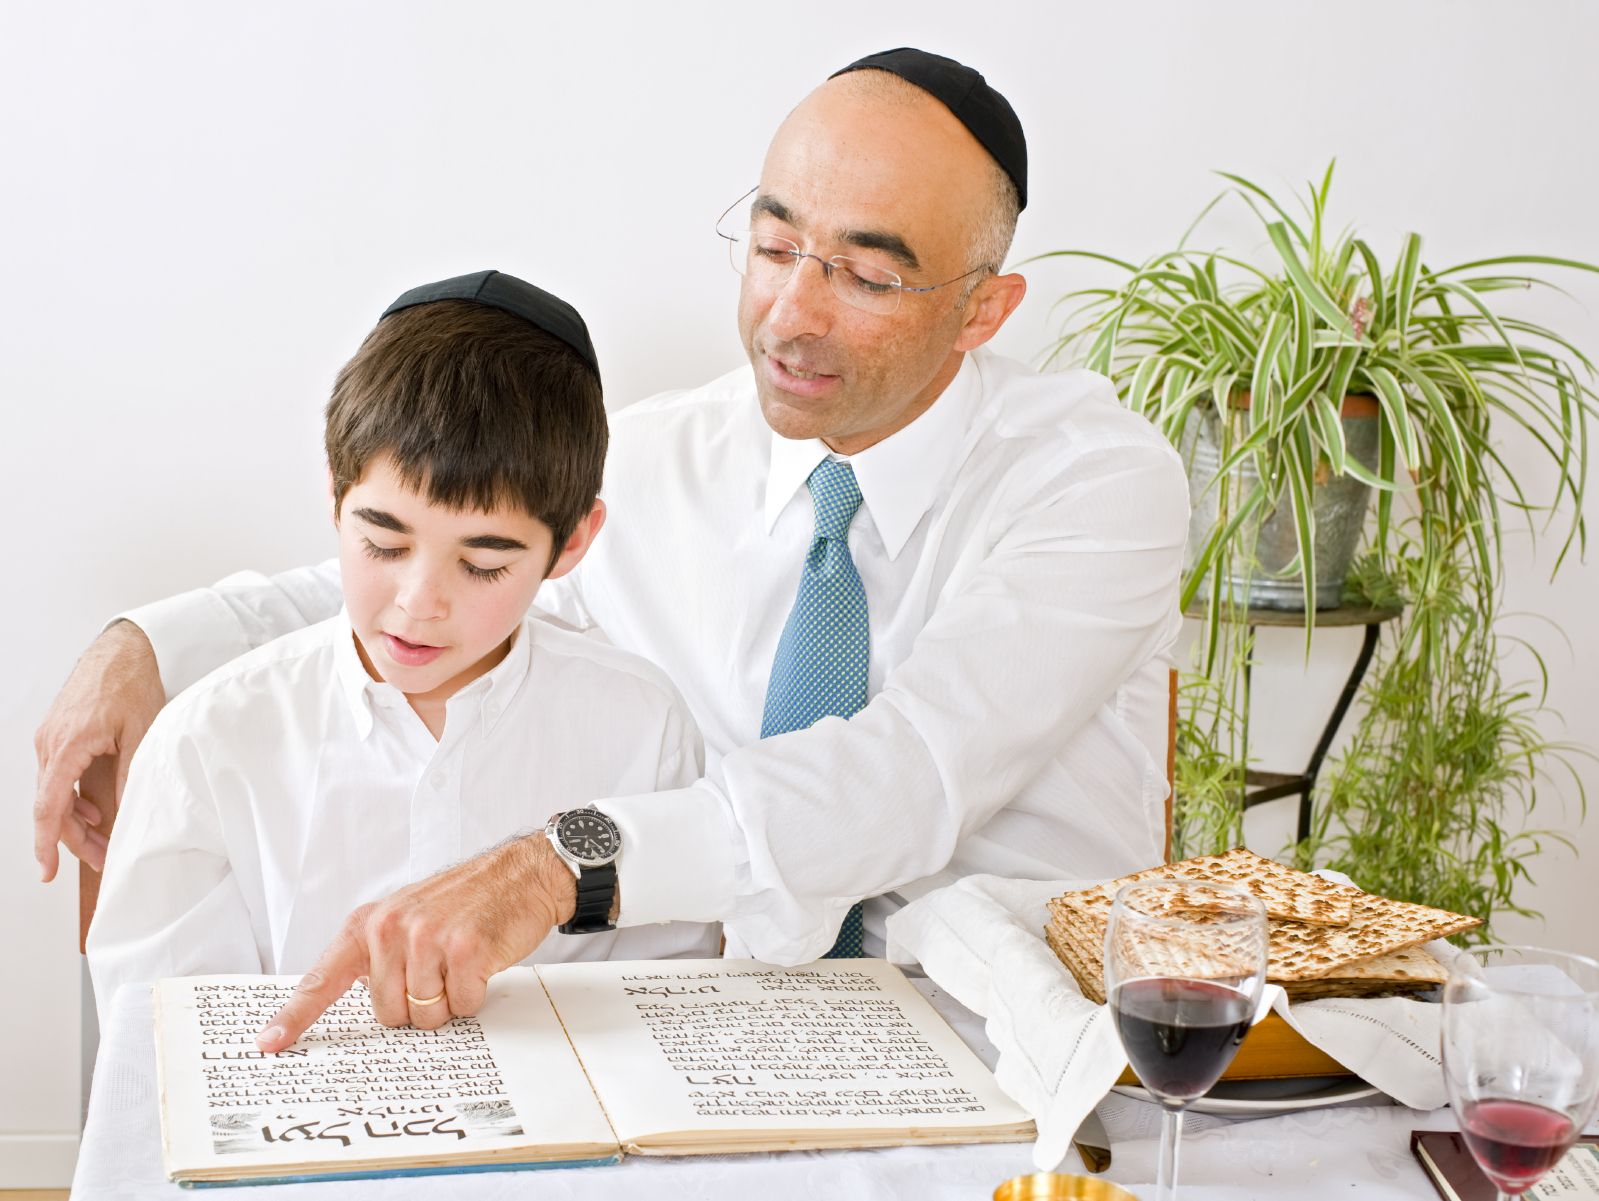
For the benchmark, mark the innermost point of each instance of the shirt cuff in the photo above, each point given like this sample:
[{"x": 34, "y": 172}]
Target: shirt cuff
[
  {"x": 678, "y": 856},
  {"x": 192, "y": 633}
]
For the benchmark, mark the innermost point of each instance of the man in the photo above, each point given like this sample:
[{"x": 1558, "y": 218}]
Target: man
[{"x": 917, "y": 596}]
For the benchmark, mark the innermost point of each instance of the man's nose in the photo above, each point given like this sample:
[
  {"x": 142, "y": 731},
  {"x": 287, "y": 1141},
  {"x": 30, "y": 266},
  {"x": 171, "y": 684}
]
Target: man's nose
[{"x": 804, "y": 303}]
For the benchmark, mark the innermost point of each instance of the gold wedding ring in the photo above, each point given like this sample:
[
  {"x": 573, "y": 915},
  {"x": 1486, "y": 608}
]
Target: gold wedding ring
[{"x": 424, "y": 1002}]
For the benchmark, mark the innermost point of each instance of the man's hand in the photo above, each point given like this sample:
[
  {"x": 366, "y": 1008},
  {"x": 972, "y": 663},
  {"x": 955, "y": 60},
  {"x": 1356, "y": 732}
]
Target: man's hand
[
  {"x": 104, "y": 708},
  {"x": 442, "y": 937}
]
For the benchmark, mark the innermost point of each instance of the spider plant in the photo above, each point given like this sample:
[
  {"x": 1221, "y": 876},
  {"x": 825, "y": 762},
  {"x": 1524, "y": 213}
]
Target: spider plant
[{"x": 1267, "y": 348}]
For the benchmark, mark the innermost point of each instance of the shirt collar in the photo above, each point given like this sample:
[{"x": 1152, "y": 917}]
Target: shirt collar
[
  {"x": 492, "y": 691},
  {"x": 900, "y": 476},
  {"x": 359, "y": 690}
]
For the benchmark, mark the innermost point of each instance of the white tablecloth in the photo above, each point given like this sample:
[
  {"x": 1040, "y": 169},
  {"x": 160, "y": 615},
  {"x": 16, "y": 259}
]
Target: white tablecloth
[{"x": 1317, "y": 1155}]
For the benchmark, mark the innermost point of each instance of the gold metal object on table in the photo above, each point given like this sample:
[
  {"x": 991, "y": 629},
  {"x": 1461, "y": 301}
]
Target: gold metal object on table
[{"x": 1056, "y": 1186}]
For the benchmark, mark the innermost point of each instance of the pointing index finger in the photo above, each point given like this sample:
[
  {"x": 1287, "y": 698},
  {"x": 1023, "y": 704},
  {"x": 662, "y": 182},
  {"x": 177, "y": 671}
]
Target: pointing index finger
[{"x": 324, "y": 984}]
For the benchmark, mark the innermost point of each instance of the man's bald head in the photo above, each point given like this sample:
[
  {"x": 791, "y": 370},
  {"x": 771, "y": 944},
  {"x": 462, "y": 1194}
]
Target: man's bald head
[{"x": 992, "y": 233}]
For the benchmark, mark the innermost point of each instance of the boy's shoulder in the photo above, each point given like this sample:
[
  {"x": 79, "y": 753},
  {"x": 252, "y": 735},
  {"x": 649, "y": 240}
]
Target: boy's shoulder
[{"x": 280, "y": 675}]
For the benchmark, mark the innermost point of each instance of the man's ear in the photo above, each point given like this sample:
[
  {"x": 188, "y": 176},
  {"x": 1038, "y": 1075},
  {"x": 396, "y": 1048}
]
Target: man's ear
[
  {"x": 333, "y": 504},
  {"x": 578, "y": 544},
  {"x": 988, "y": 307}
]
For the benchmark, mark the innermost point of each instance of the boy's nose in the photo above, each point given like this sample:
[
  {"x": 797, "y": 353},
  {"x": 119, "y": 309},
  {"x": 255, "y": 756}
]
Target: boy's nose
[{"x": 421, "y": 597}]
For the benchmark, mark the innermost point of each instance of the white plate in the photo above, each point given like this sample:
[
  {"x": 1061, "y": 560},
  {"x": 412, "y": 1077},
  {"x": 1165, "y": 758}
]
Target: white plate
[{"x": 1258, "y": 1098}]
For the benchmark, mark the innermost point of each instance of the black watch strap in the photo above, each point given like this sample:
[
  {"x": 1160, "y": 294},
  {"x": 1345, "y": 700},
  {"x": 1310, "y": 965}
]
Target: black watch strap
[{"x": 596, "y": 892}]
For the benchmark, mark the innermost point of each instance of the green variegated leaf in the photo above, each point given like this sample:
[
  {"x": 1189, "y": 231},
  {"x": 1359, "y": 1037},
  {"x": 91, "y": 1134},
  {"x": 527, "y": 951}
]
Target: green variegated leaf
[
  {"x": 1313, "y": 292},
  {"x": 1331, "y": 430},
  {"x": 1397, "y": 412},
  {"x": 1143, "y": 377},
  {"x": 1300, "y": 461},
  {"x": 1405, "y": 285}
]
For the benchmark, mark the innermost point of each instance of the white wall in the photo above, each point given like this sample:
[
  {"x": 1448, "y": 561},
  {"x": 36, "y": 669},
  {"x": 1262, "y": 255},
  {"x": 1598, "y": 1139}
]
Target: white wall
[{"x": 203, "y": 207}]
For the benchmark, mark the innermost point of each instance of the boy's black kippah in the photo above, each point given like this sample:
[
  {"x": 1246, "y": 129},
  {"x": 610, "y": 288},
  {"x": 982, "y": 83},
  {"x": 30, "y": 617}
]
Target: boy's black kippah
[
  {"x": 963, "y": 91},
  {"x": 501, "y": 291}
]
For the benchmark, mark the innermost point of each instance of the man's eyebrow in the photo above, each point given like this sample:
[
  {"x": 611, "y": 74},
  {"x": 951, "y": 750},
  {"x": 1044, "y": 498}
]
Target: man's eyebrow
[
  {"x": 382, "y": 520},
  {"x": 890, "y": 244},
  {"x": 771, "y": 206},
  {"x": 492, "y": 542}
]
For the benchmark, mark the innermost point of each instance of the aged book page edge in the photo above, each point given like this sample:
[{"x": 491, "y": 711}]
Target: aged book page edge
[{"x": 528, "y": 1154}]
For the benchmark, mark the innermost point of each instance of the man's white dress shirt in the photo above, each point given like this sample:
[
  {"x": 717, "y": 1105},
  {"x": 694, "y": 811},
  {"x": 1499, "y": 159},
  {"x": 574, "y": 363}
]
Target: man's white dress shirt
[
  {"x": 289, "y": 787},
  {"x": 1020, "y": 545}
]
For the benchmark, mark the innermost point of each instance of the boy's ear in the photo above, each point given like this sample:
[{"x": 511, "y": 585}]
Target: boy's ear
[
  {"x": 578, "y": 544},
  {"x": 333, "y": 505}
]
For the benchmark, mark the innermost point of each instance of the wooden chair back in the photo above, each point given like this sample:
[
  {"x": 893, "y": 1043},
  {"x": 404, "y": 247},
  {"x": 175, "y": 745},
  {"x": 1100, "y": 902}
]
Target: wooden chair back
[
  {"x": 1171, "y": 755},
  {"x": 99, "y": 785}
]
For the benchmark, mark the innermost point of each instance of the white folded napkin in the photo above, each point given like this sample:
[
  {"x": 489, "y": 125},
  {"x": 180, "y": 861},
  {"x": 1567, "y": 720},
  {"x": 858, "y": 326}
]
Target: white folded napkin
[
  {"x": 981, "y": 940},
  {"x": 1391, "y": 1042}
]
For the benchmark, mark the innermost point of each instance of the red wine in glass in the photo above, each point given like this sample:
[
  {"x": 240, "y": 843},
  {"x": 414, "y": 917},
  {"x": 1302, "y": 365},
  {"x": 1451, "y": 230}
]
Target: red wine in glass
[
  {"x": 1180, "y": 1035},
  {"x": 1515, "y": 1142},
  {"x": 1185, "y": 962}
]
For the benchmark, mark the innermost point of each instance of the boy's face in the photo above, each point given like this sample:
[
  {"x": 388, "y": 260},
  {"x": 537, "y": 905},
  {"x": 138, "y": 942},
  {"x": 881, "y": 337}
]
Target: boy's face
[{"x": 434, "y": 595}]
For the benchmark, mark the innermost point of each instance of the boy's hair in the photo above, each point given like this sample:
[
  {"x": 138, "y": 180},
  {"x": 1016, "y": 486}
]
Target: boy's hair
[{"x": 478, "y": 408}]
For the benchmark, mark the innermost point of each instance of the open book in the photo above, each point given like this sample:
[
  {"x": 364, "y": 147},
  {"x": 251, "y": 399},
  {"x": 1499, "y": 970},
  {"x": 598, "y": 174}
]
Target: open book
[{"x": 570, "y": 1063}]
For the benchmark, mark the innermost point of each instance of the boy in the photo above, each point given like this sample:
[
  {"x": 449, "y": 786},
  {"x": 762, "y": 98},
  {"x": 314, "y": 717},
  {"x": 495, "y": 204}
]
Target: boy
[{"x": 433, "y": 716}]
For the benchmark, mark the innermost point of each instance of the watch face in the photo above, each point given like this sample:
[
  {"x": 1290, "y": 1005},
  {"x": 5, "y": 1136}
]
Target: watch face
[{"x": 589, "y": 836}]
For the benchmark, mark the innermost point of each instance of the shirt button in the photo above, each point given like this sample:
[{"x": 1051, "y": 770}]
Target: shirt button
[{"x": 439, "y": 779}]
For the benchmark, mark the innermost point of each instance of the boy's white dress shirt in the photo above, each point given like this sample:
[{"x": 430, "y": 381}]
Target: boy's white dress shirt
[
  {"x": 1020, "y": 544},
  {"x": 289, "y": 787}
]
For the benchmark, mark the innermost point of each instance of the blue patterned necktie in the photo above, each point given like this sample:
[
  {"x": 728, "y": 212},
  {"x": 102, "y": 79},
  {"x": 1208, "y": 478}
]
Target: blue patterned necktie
[{"x": 820, "y": 666}]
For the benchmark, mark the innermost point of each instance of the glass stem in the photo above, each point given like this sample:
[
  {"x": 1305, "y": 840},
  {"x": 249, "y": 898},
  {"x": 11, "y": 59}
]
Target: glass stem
[{"x": 1171, "y": 1134}]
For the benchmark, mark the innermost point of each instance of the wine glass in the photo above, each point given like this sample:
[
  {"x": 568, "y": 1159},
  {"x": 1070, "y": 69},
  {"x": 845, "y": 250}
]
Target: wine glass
[
  {"x": 1185, "y": 962},
  {"x": 1521, "y": 1057}
]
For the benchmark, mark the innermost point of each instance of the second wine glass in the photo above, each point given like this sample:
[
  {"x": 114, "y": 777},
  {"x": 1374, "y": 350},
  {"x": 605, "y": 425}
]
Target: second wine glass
[
  {"x": 1521, "y": 1057},
  {"x": 1185, "y": 963}
]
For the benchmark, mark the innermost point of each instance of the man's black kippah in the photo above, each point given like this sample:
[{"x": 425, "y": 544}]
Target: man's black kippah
[
  {"x": 963, "y": 91},
  {"x": 501, "y": 291}
]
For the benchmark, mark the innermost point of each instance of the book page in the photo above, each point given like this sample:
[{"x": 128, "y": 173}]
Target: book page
[
  {"x": 695, "y": 1055},
  {"x": 353, "y": 1095},
  {"x": 1574, "y": 1178}
]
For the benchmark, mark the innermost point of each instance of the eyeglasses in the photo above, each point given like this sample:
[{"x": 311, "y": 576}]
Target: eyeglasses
[{"x": 770, "y": 259}]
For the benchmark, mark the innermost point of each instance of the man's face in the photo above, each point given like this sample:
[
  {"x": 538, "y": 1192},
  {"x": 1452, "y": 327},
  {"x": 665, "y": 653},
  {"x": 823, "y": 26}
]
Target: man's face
[
  {"x": 892, "y": 180},
  {"x": 434, "y": 594}
]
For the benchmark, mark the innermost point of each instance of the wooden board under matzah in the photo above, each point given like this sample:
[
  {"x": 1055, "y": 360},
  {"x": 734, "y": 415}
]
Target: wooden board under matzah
[{"x": 1272, "y": 1050}]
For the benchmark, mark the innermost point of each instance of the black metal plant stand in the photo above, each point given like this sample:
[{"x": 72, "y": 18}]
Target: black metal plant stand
[{"x": 1263, "y": 786}]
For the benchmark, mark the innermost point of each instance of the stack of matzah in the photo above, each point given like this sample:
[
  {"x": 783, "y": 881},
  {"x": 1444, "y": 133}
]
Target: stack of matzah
[{"x": 1325, "y": 939}]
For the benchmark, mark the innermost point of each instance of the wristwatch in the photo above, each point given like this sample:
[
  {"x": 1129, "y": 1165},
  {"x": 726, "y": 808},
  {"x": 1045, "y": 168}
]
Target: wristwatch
[{"x": 588, "y": 842}]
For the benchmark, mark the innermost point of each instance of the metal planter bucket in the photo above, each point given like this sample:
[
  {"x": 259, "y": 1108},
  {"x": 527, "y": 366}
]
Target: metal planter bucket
[{"x": 1338, "y": 502}]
